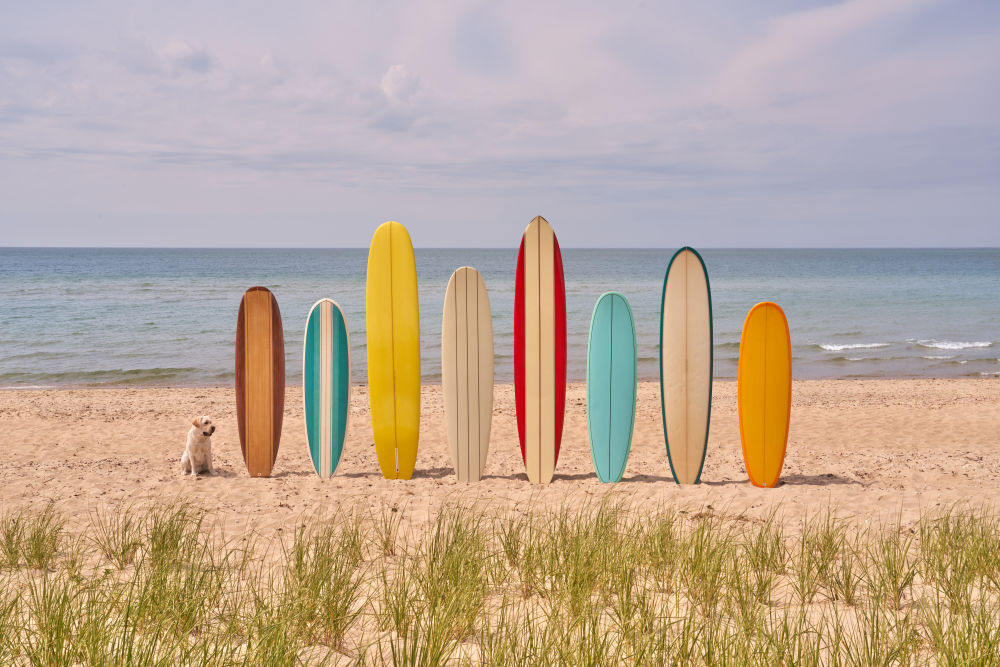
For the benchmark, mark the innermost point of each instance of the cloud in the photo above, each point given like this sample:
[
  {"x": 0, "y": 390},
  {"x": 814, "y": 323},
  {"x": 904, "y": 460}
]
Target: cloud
[
  {"x": 784, "y": 63},
  {"x": 399, "y": 85},
  {"x": 697, "y": 113},
  {"x": 179, "y": 57}
]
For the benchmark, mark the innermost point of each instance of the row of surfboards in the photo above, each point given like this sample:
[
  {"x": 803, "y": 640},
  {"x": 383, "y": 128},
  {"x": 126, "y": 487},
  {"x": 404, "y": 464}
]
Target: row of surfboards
[{"x": 393, "y": 351}]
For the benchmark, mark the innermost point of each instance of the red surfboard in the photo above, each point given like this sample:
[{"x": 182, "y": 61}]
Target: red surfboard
[{"x": 539, "y": 349}]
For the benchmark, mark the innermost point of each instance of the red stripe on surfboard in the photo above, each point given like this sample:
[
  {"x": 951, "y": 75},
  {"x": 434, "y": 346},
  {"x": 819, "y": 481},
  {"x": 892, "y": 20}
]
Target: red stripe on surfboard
[
  {"x": 519, "y": 346},
  {"x": 559, "y": 299}
]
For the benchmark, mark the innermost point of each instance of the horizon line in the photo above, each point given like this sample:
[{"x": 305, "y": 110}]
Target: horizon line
[{"x": 706, "y": 247}]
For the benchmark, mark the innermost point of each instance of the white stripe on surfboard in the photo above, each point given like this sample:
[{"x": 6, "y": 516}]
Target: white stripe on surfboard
[{"x": 324, "y": 391}]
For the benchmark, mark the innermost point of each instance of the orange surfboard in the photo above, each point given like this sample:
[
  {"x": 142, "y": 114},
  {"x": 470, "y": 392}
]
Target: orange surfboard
[
  {"x": 765, "y": 392},
  {"x": 260, "y": 379}
]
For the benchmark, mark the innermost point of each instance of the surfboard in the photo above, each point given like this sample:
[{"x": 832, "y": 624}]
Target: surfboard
[
  {"x": 611, "y": 385},
  {"x": 393, "y": 340},
  {"x": 686, "y": 364},
  {"x": 326, "y": 384},
  {"x": 764, "y": 392},
  {"x": 260, "y": 379},
  {"x": 467, "y": 371},
  {"x": 539, "y": 349}
]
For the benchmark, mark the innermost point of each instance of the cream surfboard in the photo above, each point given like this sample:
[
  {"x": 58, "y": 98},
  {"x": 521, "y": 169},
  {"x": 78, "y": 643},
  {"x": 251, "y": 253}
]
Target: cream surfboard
[
  {"x": 393, "y": 342},
  {"x": 539, "y": 349},
  {"x": 764, "y": 392},
  {"x": 326, "y": 384},
  {"x": 686, "y": 364},
  {"x": 467, "y": 371}
]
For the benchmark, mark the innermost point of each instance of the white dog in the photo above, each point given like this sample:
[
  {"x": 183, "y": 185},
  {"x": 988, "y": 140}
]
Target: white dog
[{"x": 198, "y": 453}]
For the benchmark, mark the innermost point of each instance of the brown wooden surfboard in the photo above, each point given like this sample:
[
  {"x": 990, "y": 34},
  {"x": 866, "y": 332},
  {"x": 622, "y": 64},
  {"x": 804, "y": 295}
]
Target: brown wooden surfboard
[{"x": 260, "y": 379}]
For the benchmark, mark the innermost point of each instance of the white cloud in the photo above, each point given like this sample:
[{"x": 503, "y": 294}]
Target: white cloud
[
  {"x": 399, "y": 85},
  {"x": 690, "y": 112}
]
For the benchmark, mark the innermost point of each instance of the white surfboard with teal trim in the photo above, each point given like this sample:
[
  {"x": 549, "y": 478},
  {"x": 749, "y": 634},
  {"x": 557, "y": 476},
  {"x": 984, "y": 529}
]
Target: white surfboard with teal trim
[
  {"x": 611, "y": 385},
  {"x": 326, "y": 380},
  {"x": 686, "y": 363}
]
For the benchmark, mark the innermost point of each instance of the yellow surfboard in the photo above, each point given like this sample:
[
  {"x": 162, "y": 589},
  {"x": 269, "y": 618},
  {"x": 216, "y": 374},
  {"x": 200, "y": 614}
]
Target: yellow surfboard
[
  {"x": 765, "y": 392},
  {"x": 393, "y": 321}
]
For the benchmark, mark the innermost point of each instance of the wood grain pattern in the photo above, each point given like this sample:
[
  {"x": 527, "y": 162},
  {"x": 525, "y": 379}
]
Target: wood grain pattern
[{"x": 260, "y": 379}]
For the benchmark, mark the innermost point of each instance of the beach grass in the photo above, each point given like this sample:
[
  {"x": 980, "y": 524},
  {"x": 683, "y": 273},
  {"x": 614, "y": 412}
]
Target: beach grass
[{"x": 593, "y": 584}]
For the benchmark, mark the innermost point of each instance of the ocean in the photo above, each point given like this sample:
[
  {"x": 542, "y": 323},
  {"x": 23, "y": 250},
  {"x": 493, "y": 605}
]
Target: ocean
[{"x": 117, "y": 317}]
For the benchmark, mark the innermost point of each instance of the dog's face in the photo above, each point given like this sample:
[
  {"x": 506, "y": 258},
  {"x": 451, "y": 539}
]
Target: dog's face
[{"x": 204, "y": 424}]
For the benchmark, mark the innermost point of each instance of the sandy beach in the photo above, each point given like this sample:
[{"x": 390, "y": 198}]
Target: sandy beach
[{"x": 871, "y": 449}]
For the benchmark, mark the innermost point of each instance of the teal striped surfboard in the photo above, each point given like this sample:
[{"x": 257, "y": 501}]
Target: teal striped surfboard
[
  {"x": 326, "y": 380},
  {"x": 611, "y": 385}
]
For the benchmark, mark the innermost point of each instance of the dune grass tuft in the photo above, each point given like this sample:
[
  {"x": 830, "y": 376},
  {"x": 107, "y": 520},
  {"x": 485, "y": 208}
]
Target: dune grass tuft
[{"x": 597, "y": 584}]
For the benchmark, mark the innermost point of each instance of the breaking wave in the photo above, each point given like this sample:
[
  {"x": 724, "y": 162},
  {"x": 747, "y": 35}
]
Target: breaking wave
[
  {"x": 832, "y": 347},
  {"x": 952, "y": 345}
]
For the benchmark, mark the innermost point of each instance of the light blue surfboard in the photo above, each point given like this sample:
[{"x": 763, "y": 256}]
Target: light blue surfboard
[
  {"x": 611, "y": 385},
  {"x": 326, "y": 380}
]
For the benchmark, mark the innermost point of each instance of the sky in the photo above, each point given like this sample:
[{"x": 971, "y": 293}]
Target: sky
[{"x": 773, "y": 123}]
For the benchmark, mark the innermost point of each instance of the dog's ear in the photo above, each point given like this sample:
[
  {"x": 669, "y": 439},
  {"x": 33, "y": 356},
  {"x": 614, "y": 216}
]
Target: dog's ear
[{"x": 197, "y": 422}]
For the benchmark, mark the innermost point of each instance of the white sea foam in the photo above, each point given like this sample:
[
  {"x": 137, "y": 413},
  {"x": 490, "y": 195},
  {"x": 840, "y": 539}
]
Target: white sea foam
[
  {"x": 934, "y": 357},
  {"x": 953, "y": 345},
  {"x": 830, "y": 347}
]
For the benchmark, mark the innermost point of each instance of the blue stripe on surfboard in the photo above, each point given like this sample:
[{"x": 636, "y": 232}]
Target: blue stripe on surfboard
[
  {"x": 611, "y": 385},
  {"x": 341, "y": 380},
  {"x": 311, "y": 380}
]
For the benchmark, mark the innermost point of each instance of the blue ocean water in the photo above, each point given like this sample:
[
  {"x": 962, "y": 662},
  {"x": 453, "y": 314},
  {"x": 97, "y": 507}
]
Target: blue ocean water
[{"x": 168, "y": 316}]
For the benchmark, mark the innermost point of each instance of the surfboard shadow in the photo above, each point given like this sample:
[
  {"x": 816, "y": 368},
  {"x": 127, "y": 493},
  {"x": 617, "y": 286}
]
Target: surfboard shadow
[
  {"x": 826, "y": 479},
  {"x": 519, "y": 476},
  {"x": 574, "y": 477},
  {"x": 434, "y": 473},
  {"x": 292, "y": 473},
  {"x": 360, "y": 475},
  {"x": 650, "y": 479}
]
